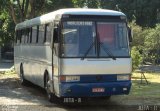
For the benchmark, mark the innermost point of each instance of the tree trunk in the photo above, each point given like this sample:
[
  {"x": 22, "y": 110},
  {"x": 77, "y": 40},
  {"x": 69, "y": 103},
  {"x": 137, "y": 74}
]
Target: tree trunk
[
  {"x": 32, "y": 4},
  {"x": 12, "y": 12}
]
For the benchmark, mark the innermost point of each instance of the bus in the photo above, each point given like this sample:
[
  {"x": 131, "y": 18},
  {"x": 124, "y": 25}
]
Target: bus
[{"x": 75, "y": 53}]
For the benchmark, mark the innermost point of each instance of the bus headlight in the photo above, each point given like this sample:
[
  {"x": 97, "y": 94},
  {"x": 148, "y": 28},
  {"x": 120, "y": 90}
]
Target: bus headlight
[
  {"x": 64, "y": 78},
  {"x": 123, "y": 77}
]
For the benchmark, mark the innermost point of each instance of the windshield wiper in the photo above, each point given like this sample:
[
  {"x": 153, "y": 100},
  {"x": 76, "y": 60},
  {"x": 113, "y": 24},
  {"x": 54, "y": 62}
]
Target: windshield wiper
[
  {"x": 107, "y": 51},
  {"x": 105, "y": 48},
  {"x": 88, "y": 50}
]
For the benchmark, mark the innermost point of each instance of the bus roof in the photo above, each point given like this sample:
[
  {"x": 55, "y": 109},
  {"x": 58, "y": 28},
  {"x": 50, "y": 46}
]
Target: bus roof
[{"x": 47, "y": 18}]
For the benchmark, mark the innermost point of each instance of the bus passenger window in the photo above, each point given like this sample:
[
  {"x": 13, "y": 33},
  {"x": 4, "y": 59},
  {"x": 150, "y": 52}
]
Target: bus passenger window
[
  {"x": 34, "y": 34},
  {"x": 29, "y": 35},
  {"x": 41, "y": 34},
  {"x": 23, "y": 37},
  {"x": 18, "y": 36},
  {"x": 47, "y": 33},
  {"x": 26, "y": 36},
  {"x": 28, "y": 31}
]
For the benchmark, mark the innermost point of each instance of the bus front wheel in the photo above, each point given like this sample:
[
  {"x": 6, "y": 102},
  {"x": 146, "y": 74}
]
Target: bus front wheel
[{"x": 50, "y": 95}]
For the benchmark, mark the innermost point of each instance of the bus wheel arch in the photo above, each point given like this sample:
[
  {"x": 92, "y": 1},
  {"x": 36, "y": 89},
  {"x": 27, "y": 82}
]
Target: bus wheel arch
[
  {"x": 47, "y": 86},
  {"x": 21, "y": 75},
  {"x": 44, "y": 78}
]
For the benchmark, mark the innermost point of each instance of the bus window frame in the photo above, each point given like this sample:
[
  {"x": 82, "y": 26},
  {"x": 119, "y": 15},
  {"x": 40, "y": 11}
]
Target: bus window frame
[
  {"x": 18, "y": 37},
  {"x": 37, "y": 34},
  {"x": 45, "y": 32},
  {"x": 86, "y": 19},
  {"x": 15, "y": 38},
  {"x": 35, "y": 37}
]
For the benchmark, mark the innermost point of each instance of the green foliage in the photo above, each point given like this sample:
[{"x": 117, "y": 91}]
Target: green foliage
[
  {"x": 87, "y": 3},
  {"x": 145, "y": 45},
  {"x": 52, "y": 5},
  {"x": 144, "y": 11},
  {"x": 152, "y": 43},
  {"x": 136, "y": 57},
  {"x": 6, "y": 28},
  {"x": 152, "y": 40},
  {"x": 138, "y": 40}
]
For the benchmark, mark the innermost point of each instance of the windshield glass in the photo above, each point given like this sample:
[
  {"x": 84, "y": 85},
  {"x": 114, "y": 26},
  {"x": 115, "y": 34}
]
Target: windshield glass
[
  {"x": 77, "y": 36},
  {"x": 113, "y": 37},
  {"x": 95, "y": 38}
]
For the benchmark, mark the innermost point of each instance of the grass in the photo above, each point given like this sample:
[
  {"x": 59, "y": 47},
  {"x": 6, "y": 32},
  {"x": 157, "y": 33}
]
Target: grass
[{"x": 146, "y": 90}]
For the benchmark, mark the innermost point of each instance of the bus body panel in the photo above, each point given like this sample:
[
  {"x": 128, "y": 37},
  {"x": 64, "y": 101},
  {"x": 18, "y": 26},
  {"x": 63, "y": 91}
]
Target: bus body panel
[
  {"x": 76, "y": 66},
  {"x": 86, "y": 89},
  {"x": 35, "y": 61}
]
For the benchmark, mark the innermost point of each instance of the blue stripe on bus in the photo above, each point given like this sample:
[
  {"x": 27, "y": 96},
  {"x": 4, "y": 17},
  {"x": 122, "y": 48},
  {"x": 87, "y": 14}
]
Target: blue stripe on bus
[
  {"x": 85, "y": 89},
  {"x": 97, "y": 78}
]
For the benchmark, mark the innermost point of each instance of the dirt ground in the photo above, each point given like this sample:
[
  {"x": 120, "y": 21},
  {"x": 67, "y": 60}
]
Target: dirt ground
[{"x": 15, "y": 97}]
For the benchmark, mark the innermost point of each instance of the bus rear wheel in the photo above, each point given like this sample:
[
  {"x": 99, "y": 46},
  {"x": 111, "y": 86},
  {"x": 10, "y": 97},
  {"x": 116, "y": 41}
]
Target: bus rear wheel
[
  {"x": 22, "y": 80},
  {"x": 50, "y": 95}
]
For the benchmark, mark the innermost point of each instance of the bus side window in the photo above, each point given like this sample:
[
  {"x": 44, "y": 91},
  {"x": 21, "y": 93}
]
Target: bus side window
[
  {"x": 30, "y": 35},
  {"x": 18, "y": 36},
  {"x": 28, "y": 30},
  {"x": 23, "y": 37},
  {"x": 26, "y": 35},
  {"x": 41, "y": 34},
  {"x": 15, "y": 39},
  {"x": 47, "y": 38},
  {"x": 34, "y": 34}
]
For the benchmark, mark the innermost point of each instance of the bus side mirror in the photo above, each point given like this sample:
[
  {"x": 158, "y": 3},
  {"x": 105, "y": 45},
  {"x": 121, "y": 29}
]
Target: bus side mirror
[
  {"x": 55, "y": 35},
  {"x": 130, "y": 34}
]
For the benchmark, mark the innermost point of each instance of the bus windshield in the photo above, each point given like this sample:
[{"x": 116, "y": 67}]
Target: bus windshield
[{"x": 79, "y": 37}]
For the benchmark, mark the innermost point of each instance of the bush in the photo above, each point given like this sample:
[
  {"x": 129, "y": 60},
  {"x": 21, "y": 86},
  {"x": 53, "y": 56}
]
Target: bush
[
  {"x": 136, "y": 57},
  {"x": 145, "y": 45}
]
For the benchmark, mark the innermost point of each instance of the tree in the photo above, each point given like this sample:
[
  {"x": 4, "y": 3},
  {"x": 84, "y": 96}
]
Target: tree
[
  {"x": 86, "y": 3},
  {"x": 6, "y": 28},
  {"x": 152, "y": 44},
  {"x": 21, "y": 10},
  {"x": 16, "y": 11},
  {"x": 51, "y": 5}
]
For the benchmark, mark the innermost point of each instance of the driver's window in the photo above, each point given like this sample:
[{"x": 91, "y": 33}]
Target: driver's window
[{"x": 70, "y": 41}]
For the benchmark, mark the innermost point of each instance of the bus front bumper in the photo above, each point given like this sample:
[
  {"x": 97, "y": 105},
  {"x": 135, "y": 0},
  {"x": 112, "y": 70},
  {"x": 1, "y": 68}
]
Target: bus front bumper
[{"x": 86, "y": 89}]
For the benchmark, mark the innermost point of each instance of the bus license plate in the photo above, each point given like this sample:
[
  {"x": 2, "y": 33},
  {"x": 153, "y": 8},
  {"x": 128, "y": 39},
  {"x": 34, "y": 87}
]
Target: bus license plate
[{"x": 97, "y": 89}]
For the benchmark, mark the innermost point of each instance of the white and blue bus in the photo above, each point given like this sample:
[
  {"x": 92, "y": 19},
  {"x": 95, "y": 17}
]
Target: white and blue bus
[{"x": 75, "y": 53}]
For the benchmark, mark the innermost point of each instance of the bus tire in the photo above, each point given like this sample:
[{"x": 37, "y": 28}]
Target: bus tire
[
  {"x": 50, "y": 95},
  {"x": 23, "y": 81}
]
